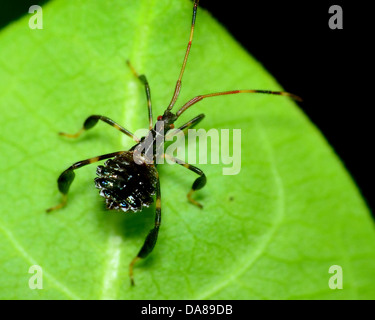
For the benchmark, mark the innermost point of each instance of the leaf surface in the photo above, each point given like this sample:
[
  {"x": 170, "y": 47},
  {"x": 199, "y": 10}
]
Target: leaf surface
[{"x": 270, "y": 232}]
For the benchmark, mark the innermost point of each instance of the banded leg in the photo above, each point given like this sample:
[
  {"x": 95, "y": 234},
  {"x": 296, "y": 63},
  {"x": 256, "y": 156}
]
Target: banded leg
[
  {"x": 143, "y": 79},
  {"x": 152, "y": 236},
  {"x": 66, "y": 177},
  {"x": 199, "y": 183},
  {"x": 192, "y": 123},
  {"x": 91, "y": 121}
]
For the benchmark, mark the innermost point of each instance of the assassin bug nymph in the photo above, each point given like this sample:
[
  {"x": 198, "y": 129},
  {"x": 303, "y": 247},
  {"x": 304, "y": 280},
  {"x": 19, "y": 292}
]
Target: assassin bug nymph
[{"x": 129, "y": 186}]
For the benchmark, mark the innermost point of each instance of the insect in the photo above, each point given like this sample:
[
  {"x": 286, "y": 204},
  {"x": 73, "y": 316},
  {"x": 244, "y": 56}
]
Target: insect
[{"x": 126, "y": 180}]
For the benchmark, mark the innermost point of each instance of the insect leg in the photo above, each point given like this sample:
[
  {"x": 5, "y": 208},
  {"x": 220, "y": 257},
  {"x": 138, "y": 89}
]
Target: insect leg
[
  {"x": 143, "y": 79},
  {"x": 91, "y": 121},
  {"x": 193, "y": 122},
  {"x": 199, "y": 183},
  {"x": 152, "y": 236},
  {"x": 66, "y": 177}
]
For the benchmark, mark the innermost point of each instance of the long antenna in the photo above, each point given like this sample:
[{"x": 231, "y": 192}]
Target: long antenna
[
  {"x": 178, "y": 84},
  {"x": 201, "y": 97}
]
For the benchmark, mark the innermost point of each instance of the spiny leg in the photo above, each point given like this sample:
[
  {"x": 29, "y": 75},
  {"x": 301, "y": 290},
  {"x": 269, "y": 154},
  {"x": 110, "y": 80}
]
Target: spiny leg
[
  {"x": 66, "y": 177},
  {"x": 178, "y": 84},
  {"x": 192, "y": 123},
  {"x": 92, "y": 120},
  {"x": 143, "y": 79},
  {"x": 152, "y": 236},
  {"x": 199, "y": 183},
  {"x": 201, "y": 97}
]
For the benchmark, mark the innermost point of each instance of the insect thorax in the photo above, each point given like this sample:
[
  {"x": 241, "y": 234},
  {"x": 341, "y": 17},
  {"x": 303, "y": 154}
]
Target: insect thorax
[{"x": 126, "y": 185}]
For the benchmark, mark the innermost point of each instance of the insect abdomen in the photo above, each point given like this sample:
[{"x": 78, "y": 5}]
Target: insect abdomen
[{"x": 126, "y": 185}]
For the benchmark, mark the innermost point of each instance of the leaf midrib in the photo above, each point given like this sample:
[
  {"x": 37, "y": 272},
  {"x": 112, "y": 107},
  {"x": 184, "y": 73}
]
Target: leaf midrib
[{"x": 141, "y": 38}]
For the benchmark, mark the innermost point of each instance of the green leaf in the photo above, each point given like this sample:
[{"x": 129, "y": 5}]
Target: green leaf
[{"x": 270, "y": 232}]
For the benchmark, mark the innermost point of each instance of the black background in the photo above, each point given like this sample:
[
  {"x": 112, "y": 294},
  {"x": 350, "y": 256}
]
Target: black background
[{"x": 330, "y": 69}]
